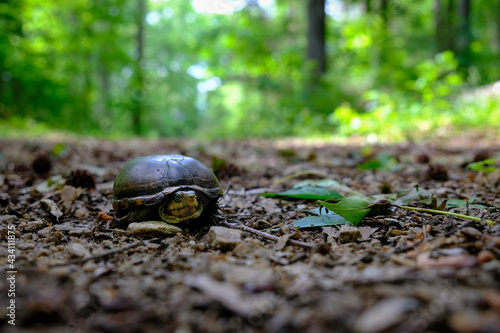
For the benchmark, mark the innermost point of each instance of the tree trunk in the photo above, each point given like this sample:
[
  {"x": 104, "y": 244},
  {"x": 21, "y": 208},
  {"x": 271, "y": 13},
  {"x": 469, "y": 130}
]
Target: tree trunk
[
  {"x": 497, "y": 24},
  {"x": 450, "y": 25},
  {"x": 105, "y": 87},
  {"x": 368, "y": 6},
  {"x": 441, "y": 31},
  {"x": 384, "y": 12},
  {"x": 384, "y": 42},
  {"x": 465, "y": 36},
  {"x": 137, "y": 111},
  {"x": 316, "y": 35}
]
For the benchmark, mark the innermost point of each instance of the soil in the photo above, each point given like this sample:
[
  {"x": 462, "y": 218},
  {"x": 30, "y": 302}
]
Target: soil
[{"x": 74, "y": 271}]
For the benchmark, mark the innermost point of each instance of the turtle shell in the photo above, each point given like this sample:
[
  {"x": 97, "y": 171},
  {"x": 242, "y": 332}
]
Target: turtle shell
[{"x": 147, "y": 180}]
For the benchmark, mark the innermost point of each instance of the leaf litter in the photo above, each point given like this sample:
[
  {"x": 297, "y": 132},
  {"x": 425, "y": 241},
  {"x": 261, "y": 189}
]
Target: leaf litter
[{"x": 359, "y": 263}]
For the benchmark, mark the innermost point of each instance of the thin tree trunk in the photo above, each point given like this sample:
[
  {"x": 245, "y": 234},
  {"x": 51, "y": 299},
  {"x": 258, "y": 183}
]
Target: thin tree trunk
[
  {"x": 384, "y": 43},
  {"x": 441, "y": 31},
  {"x": 316, "y": 35},
  {"x": 368, "y": 6},
  {"x": 465, "y": 36},
  {"x": 497, "y": 24},
  {"x": 137, "y": 112},
  {"x": 384, "y": 11},
  {"x": 105, "y": 86},
  {"x": 450, "y": 25}
]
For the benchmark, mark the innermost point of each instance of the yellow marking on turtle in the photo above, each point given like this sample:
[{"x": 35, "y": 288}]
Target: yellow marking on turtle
[{"x": 183, "y": 206}]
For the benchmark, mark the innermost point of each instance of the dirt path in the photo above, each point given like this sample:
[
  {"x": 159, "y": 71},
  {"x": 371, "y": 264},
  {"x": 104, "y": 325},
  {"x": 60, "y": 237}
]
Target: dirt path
[{"x": 406, "y": 272}]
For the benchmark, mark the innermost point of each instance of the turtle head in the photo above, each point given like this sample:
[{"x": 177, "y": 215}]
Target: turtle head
[{"x": 181, "y": 206}]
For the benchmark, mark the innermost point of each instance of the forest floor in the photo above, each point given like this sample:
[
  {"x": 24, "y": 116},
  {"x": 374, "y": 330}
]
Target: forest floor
[{"x": 406, "y": 272}]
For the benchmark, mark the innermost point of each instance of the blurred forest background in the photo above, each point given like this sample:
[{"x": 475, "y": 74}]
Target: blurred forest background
[{"x": 382, "y": 69}]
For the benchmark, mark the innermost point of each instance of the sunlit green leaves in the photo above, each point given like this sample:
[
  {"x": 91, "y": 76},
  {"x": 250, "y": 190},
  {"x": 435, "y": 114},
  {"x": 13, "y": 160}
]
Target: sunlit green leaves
[{"x": 485, "y": 166}]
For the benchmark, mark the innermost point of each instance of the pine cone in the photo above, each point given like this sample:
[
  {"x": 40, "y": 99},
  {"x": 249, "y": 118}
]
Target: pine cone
[
  {"x": 81, "y": 178},
  {"x": 42, "y": 164},
  {"x": 437, "y": 172}
]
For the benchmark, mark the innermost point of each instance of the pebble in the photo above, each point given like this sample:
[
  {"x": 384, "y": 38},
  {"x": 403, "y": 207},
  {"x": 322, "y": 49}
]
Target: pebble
[
  {"x": 56, "y": 237},
  {"x": 64, "y": 228},
  {"x": 152, "y": 229},
  {"x": 385, "y": 314},
  {"x": 77, "y": 250},
  {"x": 78, "y": 232},
  {"x": 45, "y": 232},
  {"x": 8, "y": 218},
  {"x": 485, "y": 256},
  {"x": 251, "y": 248},
  {"x": 348, "y": 235},
  {"x": 471, "y": 233},
  {"x": 224, "y": 239},
  {"x": 33, "y": 226}
]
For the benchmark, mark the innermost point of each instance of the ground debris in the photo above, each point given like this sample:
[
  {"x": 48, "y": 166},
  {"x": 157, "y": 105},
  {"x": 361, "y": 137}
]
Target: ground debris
[
  {"x": 254, "y": 272},
  {"x": 222, "y": 292}
]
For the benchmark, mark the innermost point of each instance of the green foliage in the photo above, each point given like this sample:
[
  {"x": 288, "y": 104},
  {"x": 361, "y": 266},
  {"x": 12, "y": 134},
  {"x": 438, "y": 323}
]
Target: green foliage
[
  {"x": 75, "y": 67},
  {"x": 326, "y": 220},
  {"x": 483, "y": 166},
  {"x": 382, "y": 161},
  {"x": 353, "y": 209}
]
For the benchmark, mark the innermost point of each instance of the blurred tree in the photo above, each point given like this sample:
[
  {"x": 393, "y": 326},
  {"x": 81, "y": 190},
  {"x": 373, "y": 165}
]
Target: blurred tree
[
  {"x": 172, "y": 68},
  {"x": 316, "y": 35},
  {"x": 441, "y": 28},
  {"x": 368, "y": 6},
  {"x": 138, "y": 82},
  {"x": 11, "y": 36},
  {"x": 465, "y": 34}
]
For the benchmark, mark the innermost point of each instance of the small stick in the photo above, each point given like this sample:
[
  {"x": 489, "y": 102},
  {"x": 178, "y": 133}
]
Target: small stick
[
  {"x": 442, "y": 212},
  {"x": 268, "y": 236}
]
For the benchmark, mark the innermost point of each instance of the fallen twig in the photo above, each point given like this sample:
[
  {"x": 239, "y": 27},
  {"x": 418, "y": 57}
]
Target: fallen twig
[
  {"x": 442, "y": 212},
  {"x": 268, "y": 236}
]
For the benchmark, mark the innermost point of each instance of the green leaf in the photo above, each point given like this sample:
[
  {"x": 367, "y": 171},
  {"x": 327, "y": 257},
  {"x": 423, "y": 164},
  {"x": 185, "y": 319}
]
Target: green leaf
[
  {"x": 308, "y": 192},
  {"x": 353, "y": 209},
  {"x": 326, "y": 220},
  {"x": 482, "y": 166},
  {"x": 459, "y": 203},
  {"x": 382, "y": 161}
]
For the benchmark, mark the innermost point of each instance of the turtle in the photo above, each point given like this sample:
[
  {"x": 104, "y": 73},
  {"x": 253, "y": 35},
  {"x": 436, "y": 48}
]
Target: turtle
[{"x": 174, "y": 188}]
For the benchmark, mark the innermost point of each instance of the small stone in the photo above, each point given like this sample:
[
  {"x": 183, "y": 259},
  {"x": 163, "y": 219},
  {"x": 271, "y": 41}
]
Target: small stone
[
  {"x": 348, "y": 235},
  {"x": 152, "y": 229},
  {"x": 224, "y": 239},
  {"x": 64, "y": 228},
  {"x": 81, "y": 213},
  {"x": 250, "y": 248},
  {"x": 471, "y": 233},
  {"x": 77, "y": 250},
  {"x": 485, "y": 256},
  {"x": 385, "y": 314},
  {"x": 33, "y": 226},
  {"x": 8, "y": 218},
  {"x": 80, "y": 232},
  {"x": 55, "y": 237},
  {"x": 45, "y": 232}
]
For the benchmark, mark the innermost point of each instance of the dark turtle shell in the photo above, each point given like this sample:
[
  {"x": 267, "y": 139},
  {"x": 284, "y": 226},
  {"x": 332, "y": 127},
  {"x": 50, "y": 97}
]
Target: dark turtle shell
[{"x": 148, "y": 180}]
